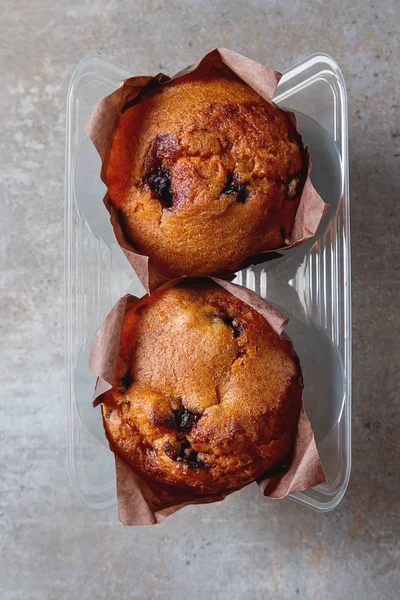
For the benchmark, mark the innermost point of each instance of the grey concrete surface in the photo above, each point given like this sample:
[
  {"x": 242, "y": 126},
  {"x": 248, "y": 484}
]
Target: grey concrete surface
[{"x": 52, "y": 547}]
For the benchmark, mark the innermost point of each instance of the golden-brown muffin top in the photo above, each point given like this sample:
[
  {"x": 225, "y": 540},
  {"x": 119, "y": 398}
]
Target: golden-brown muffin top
[
  {"x": 205, "y": 173},
  {"x": 206, "y": 395}
]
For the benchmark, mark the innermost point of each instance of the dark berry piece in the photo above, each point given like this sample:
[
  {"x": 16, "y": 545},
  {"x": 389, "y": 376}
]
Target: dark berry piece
[
  {"x": 181, "y": 420},
  {"x": 230, "y": 185},
  {"x": 234, "y": 187},
  {"x": 185, "y": 419},
  {"x": 238, "y": 329},
  {"x": 184, "y": 450},
  {"x": 194, "y": 461},
  {"x": 161, "y": 183},
  {"x": 171, "y": 451},
  {"x": 242, "y": 193}
]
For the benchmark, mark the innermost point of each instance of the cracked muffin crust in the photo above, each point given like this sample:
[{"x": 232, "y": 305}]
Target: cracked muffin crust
[
  {"x": 206, "y": 396},
  {"x": 205, "y": 173}
]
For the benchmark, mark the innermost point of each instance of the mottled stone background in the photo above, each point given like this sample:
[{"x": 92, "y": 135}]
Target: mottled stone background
[{"x": 51, "y": 547}]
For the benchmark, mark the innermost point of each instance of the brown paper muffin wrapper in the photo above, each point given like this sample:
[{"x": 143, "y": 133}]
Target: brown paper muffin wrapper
[
  {"x": 142, "y": 502},
  {"x": 103, "y": 124}
]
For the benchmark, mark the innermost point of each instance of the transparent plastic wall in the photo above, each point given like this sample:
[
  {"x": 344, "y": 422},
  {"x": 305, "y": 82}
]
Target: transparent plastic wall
[{"x": 311, "y": 283}]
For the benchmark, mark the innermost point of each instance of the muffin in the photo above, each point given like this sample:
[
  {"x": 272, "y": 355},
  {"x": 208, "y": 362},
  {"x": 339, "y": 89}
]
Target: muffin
[
  {"x": 204, "y": 173},
  {"x": 206, "y": 396}
]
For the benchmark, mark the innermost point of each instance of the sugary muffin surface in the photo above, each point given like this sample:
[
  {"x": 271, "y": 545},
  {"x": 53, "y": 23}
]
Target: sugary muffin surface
[
  {"x": 206, "y": 395},
  {"x": 205, "y": 173}
]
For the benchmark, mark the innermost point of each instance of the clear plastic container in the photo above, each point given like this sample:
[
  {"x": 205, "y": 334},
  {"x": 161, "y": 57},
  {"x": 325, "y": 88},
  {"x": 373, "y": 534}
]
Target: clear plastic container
[{"x": 311, "y": 283}]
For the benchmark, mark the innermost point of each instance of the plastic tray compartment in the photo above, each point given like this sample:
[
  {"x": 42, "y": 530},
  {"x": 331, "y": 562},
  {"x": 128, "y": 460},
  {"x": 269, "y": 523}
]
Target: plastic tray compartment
[{"x": 311, "y": 283}]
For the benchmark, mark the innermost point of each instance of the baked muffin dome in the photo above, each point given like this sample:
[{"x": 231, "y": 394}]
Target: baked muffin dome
[
  {"x": 206, "y": 396},
  {"x": 205, "y": 173}
]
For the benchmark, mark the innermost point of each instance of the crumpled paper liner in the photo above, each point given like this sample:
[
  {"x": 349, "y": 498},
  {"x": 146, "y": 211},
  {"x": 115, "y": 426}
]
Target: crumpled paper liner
[
  {"x": 103, "y": 123},
  {"x": 143, "y": 502}
]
